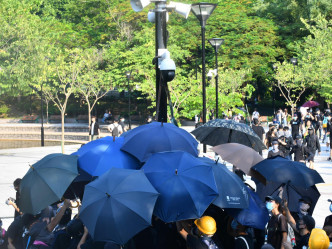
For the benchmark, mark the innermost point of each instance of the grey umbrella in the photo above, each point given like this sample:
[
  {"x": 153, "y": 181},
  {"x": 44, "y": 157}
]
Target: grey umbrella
[{"x": 46, "y": 181}]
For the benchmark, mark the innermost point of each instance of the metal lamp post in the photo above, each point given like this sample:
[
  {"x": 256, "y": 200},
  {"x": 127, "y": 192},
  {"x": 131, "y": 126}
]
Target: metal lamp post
[
  {"x": 274, "y": 91},
  {"x": 203, "y": 11},
  {"x": 128, "y": 75},
  {"x": 216, "y": 43}
]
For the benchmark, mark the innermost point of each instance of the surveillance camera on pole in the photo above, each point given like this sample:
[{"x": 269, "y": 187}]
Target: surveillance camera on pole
[
  {"x": 167, "y": 67},
  {"x": 165, "y": 71}
]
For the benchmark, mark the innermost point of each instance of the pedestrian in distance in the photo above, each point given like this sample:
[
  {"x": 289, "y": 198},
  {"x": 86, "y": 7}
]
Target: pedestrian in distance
[
  {"x": 94, "y": 130},
  {"x": 255, "y": 114},
  {"x": 277, "y": 228},
  {"x": 312, "y": 142},
  {"x": 295, "y": 125},
  {"x": 318, "y": 123},
  {"x": 329, "y": 136},
  {"x": 15, "y": 202},
  {"x": 301, "y": 152},
  {"x": 115, "y": 129},
  {"x": 202, "y": 234},
  {"x": 259, "y": 130}
]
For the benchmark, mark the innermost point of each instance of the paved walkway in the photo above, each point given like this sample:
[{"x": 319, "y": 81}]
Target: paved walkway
[{"x": 14, "y": 163}]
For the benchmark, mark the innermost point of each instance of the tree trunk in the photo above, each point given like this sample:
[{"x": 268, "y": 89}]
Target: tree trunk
[
  {"x": 292, "y": 109},
  {"x": 63, "y": 130},
  {"x": 47, "y": 111},
  {"x": 89, "y": 115}
]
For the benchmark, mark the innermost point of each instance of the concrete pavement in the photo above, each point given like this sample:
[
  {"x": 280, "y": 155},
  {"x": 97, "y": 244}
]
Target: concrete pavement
[{"x": 14, "y": 163}]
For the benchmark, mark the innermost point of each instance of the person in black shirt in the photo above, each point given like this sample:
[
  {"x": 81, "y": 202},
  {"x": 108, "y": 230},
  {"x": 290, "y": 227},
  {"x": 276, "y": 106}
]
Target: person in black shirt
[
  {"x": 328, "y": 132},
  {"x": 286, "y": 143},
  {"x": 94, "y": 129},
  {"x": 301, "y": 152},
  {"x": 305, "y": 226},
  {"x": 295, "y": 125},
  {"x": 268, "y": 136},
  {"x": 259, "y": 130},
  {"x": 277, "y": 227},
  {"x": 15, "y": 202},
  {"x": 243, "y": 240},
  {"x": 14, "y": 234},
  {"x": 275, "y": 150},
  {"x": 312, "y": 142}
]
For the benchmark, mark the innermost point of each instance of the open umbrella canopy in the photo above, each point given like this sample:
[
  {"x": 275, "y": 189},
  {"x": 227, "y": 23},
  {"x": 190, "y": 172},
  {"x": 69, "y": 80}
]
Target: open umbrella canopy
[
  {"x": 46, "y": 181},
  {"x": 310, "y": 104},
  {"x": 232, "y": 192},
  {"x": 98, "y": 156},
  {"x": 155, "y": 137},
  {"x": 221, "y": 131},
  {"x": 239, "y": 155},
  {"x": 281, "y": 170},
  {"x": 255, "y": 215},
  {"x": 290, "y": 193},
  {"x": 118, "y": 205},
  {"x": 185, "y": 183}
]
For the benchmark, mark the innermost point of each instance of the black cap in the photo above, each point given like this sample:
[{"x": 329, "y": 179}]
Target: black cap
[
  {"x": 298, "y": 137},
  {"x": 281, "y": 127},
  {"x": 310, "y": 128},
  {"x": 275, "y": 142},
  {"x": 276, "y": 199},
  {"x": 309, "y": 222},
  {"x": 286, "y": 128}
]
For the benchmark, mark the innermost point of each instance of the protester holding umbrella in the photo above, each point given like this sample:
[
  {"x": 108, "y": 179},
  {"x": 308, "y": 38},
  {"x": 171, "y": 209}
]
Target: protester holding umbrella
[
  {"x": 312, "y": 142},
  {"x": 40, "y": 231},
  {"x": 202, "y": 236},
  {"x": 277, "y": 228}
]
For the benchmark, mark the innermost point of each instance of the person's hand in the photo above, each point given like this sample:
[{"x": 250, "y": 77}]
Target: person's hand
[
  {"x": 86, "y": 231},
  {"x": 318, "y": 152},
  {"x": 285, "y": 203},
  {"x": 10, "y": 202},
  {"x": 66, "y": 203}
]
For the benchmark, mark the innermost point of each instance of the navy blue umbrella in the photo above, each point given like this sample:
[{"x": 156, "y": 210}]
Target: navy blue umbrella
[
  {"x": 98, "y": 156},
  {"x": 221, "y": 131},
  {"x": 118, "y": 205},
  {"x": 290, "y": 193},
  {"x": 185, "y": 183},
  {"x": 282, "y": 170},
  {"x": 232, "y": 192},
  {"x": 46, "y": 181},
  {"x": 256, "y": 215},
  {"x": 155, "y": 137}
]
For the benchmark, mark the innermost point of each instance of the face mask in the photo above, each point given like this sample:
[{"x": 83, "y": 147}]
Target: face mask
[
  {"x": 275, "y": 147},
  {"x": 234, "y": 224},
  {"x": 294, "y": 118},
  {"x": 303, "y": 207},
  {"x": 299, "y": 142},
  {"x": 331, "y": 207},
  {"x": 269, "y": 206}
]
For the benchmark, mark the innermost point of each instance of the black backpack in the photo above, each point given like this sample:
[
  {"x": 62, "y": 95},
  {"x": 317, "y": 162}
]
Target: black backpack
[{"x": 115, "y": 131}]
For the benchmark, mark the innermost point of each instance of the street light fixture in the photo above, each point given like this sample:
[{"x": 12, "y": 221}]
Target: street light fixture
[
  {"x": 128, "y": 75},
  {"x": 203, "y": 11},
  {"x": 216, "y": 43}
]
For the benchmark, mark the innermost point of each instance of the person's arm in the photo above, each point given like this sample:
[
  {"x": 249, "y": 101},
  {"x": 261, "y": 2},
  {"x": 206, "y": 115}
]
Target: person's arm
[
  {"x": 83, "y": 239},
  {"x": 290, "y": 219},
  {"x": 109, "y": 128},
  {"x": 284, "y": 240},
  {"x": 10, "y": 243},
  {"x": 58, "y": 217},
  {"x": 14, "y": 206},
  {"x": 318, "y": 144}
]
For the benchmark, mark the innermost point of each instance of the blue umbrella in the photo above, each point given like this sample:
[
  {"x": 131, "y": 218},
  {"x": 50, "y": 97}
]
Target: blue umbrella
[
  {"x": 282, "y": 170},
  {"x": 155, "y": 137},
  {"x": 232, "y": 191},
  {"x": 118, "y": 205},
  {"x": 98, "y": 156},
  {"x": 46, "y": 181},
  {"x": 185, "y": 183},
  {"x": 256, "y": 215}
]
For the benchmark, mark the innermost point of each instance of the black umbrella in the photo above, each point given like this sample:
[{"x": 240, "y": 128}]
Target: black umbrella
[
  {"x": 289, "y": 192},
  {"x": 282, "y": 170},
  {"x": 221, "y": 131}
]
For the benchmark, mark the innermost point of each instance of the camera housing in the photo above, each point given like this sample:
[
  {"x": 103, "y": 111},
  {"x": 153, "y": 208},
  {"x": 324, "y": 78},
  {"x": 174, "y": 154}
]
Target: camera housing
[{"x": 167, "y": 67}]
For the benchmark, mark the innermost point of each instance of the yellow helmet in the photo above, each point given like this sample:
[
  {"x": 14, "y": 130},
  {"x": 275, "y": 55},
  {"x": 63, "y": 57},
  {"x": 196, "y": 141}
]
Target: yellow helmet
[
  {"x": 206, "y": 225},
  {"x": 318, "y": 239}
]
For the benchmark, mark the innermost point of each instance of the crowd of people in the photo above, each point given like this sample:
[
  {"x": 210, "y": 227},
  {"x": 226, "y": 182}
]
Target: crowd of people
[
  {"x": 56, "y": 227},
  {"x": 297, "y": 135}
]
